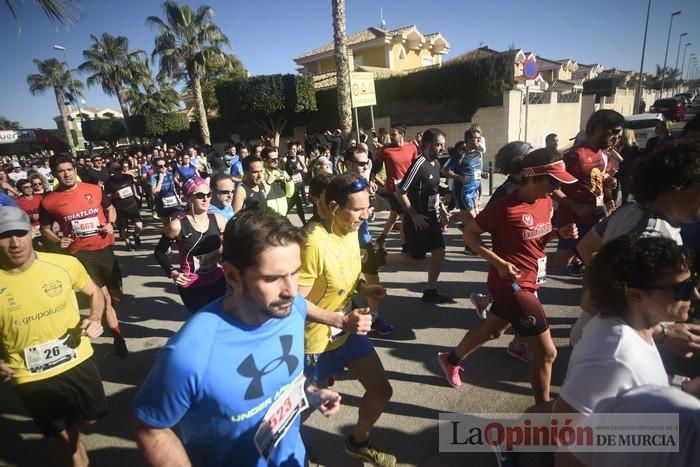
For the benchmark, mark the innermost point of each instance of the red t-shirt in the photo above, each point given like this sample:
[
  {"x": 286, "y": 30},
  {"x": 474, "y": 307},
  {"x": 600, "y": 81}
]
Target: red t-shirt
[
  {"x": 31, "y": 207},
  {"x": 588, "y": 166},
  {"x": 397, "y": 159},
  {"x": 519, "y": 233},
  {"x": 79, "y": 213}
]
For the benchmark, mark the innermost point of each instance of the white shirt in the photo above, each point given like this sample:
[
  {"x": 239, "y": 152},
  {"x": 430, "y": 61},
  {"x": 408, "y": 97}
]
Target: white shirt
[
  {"x": 17, "y": 176},
  {"x": 610, "y": 358}
]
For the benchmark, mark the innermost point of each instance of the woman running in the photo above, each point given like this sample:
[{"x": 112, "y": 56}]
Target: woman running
[
  {"x": 167, "y": 202},
  {"x": 197, "y": 234},
  {"x": 520, "y": 226}
]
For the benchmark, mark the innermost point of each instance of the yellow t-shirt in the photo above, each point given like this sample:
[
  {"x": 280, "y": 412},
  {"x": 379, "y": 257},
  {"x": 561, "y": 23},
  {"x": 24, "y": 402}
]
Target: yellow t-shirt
[
  {"x": 40, "y": 318},
  {"x": 330, "y": 265}
]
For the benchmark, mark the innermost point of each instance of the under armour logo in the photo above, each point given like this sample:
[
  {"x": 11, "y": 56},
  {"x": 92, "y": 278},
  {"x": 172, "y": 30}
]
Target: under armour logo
[{"x": 249, "y": 369}]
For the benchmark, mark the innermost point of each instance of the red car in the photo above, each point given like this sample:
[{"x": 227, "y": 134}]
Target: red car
[{"x": 671, "y": 108}]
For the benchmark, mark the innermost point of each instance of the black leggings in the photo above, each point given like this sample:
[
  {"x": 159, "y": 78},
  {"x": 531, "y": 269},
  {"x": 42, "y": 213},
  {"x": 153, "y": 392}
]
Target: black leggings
[
  {"x": 296, "y": 200},
  {"x": 195, "y": 298}
]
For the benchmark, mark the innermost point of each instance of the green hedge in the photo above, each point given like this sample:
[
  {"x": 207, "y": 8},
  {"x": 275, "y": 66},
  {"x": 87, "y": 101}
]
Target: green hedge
[
  {"x": 104, "y": 129},
  {"x": 158, "y": 125}
]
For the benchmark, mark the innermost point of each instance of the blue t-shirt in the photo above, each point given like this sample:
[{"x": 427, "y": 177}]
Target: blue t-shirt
[
  {"x": 168, "y": 186},
  {"x": 236, "y": 167},
  {"x": 216, "y": 378},
  {"x": 226, "y": 211},
  {"x": 363, "y": 233},
  {"x": 471, "y": 165},
  {"x": 6, "y": 200},
  {"x": 186, "y": 172}
]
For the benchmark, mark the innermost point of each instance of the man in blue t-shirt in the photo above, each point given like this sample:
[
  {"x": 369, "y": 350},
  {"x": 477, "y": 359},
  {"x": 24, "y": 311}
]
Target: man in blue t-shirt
[
  {"x": 232, "y": 377},
  {"x": 236, "y": 164}
]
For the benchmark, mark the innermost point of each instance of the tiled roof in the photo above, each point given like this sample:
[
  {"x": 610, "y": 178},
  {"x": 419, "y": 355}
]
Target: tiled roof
[
  {"x": 481, "y": 52},
  {"x": 561, "y": 84},
  {"x": 365, "y": 35}
]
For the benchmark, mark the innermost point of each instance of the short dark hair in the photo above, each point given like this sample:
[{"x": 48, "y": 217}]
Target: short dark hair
[
  {"x": 341, "y": 187},
  {"x": 672, "y": 166},
  {"x": 633, "y": 261},
  {"x": 349, "y": 154},
  {"x": 400, "y": 128},
  {"x": 469, "y": 134},
  {"x": 265, "y": 154},
  {"x": 250, "y": 160},
  {"x": 319, "y": 183},
  {"x": 216, "y": 178},
  {"x": 55, "y": 161},
  {"x": 550, "y": 137},
  {"x": 431, "y": 134},
  {"x": 605, "y": 118},
  {"x": 253, "y": 231},
  {"x": 21, "y": 182}
]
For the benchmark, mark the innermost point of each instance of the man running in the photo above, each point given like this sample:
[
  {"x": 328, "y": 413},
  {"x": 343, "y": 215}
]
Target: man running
[
  {"x": 221, "y": 202},
  {"x": 251, "y": 192},
  {"x": 419, "y": 195},
  {"x": 120, "y": 190},
  {"x": 44, "y": 342},
  {"x": 237, "y": 398},
  {"x": 85, "y": 219},
  {"x": 97, "y": 174},
  {"x": 278, "y": 184},
  {"x": 29, "y": 202}
]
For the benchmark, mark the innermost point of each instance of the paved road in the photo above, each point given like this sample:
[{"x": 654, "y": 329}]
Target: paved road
[{"x": 494, "y": 382}]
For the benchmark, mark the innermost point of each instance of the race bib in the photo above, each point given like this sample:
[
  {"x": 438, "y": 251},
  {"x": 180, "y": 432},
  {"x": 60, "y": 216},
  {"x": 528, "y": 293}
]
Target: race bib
[
  {"x": 280, "y": 417},
  {"x": 36, "y": 232},
  {"x": 433, "y": 202},
  {"x": 206, "y": 262},
  {"x": 599, "y": 202},
  {"x": 541, "y": 270},
  {"x": 170, "y": 201},
  {"x": 86, "y": 227},
  {"x": 43, "y": 357},
  {"x": 125, "y": 192},
  {"x": 296, "y": 178},
  {"x": 337, "y": 333}
]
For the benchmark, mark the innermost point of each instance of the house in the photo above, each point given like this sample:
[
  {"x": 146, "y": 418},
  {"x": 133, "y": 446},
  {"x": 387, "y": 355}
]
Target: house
[
  {"x": 586, "y": 72},
  {"x": 519, "y": 59},
  {"x": 86, "y": 113},
  {"x": 553, "y": 70},
  {"x": 378, "y": 50}
]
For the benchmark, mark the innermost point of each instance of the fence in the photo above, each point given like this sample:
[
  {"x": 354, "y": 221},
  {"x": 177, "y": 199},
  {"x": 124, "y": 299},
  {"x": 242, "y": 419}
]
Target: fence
[
  {"x": 569, "y": 98},
  {"x": 539, "y": 98}
]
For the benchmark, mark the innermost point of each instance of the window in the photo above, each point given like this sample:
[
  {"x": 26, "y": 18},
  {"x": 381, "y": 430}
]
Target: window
[
  {"x": 402, "y": 53},
  {"x": 426, "y": 61},
  {"x": 359, "y": 60}
]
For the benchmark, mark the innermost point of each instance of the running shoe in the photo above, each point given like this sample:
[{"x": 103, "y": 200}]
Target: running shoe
[
  {"x": 129, "y": 246},
  {"x": 137, "y": 241},
  {"x": 481, "y": 303},
  {"x": 520, "y": 351},
  {"x": 370, "y": 454},
  {"x": 120, "y": 346},
  {"x": 451, "y": 372},
  {"x": 381, "y": 327},
  {"x": 577, "y": 269},
  {"x": 432, "y": 296},
  {"x": 380, "y": 241}
]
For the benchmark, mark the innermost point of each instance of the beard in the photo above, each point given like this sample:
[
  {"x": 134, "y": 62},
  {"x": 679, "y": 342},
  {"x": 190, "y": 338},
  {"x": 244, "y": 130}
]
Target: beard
[{"x": 279, "y": 309}]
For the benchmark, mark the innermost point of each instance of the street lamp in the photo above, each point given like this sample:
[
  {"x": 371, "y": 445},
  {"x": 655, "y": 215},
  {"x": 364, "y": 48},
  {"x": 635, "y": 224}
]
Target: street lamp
[
  {"x": 663, "y": 70},
  {"x": 678, "y": 54},
  {"x": 685, "y": 49},
  {"x": 691, "y": 57},
  {"x": 70, "y": 76},
  {"x": 638, "y": 95}
]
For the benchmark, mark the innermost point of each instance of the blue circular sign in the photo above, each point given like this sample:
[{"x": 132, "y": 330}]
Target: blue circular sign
[{"x": 530, "y": 70}]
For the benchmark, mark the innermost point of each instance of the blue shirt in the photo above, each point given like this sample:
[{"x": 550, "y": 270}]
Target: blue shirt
[
  {"x": 363, "y": 233},
  {"x": 236, "y": 167},
  {"x": 226, "y": 211},
  {"x": 167, "y": 188},
  {"x": 186, "y": 172},
  {"x": 6, "y": 200},
  {"x": 471, "y": 165},
  {"x": 216, "y": 377}
]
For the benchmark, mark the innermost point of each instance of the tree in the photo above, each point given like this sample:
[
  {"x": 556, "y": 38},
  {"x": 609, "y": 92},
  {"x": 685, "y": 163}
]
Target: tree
[
  {"x": 110, "y": 130},
  {"x": 64, "y": 12},
  {"x": 113, "y": 66},
  {"x": 270, "y": 101},
  {"x": 158, "y": 124},
  {"x": 56, "y": 75},
  {"x": 342, "y": 66},
  {"x": 7, "y": 124},
  {"x": 150, "y": 95},
  {"x": 230, "y": 68},
  {"x": 187, "y": 43}
]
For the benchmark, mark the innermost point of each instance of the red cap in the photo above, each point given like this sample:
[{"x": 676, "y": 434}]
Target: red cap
[{"x": 555, "y": 169}]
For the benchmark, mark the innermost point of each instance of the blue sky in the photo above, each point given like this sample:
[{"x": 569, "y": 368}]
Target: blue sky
[{"x": 267, "y": 34}]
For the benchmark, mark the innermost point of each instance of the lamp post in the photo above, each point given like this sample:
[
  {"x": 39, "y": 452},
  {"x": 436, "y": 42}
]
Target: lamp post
[
  {"x": 678, "y": 54},
  {"x": 663, "y": 70},
  {"x": 691, "y": 57},
  {"x": 72, "y": 84},
  {"x": 638, "y": 94},
  {"x": 685, "y": 49}
]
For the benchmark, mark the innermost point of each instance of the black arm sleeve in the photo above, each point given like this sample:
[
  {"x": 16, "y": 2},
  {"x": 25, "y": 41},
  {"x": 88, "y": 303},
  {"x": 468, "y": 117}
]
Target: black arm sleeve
[{"x": 161, "y": 253}]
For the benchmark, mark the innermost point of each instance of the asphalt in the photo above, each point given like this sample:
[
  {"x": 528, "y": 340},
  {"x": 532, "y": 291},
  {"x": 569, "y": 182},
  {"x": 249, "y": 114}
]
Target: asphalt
[{"x": 493, "y": 381}]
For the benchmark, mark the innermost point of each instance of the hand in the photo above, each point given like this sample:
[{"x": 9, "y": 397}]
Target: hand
[
  {"x": 372, "y": 187},
  {"x": 161, "y": 175},
  {"x": 271, "y": 179},
  {"x": 692, "y": 386},
  {"x": 683, "y": 338},
  {"x": 508, "y": 271},
  {"x": 374, "y": 291},
  {"x": 326, "y": 401},
  {"x": 584, "y": 210},
  {"x": 569, "y": 232},
  {"x": 180, "y": 278},
  {"x": 107, "y": 229},
  {"x": 5, "y": 371},
  {"x": 91, "y": 328},
  {"x": 358, "y": 321},
  {"x": 420, "y": 221},
  {"x": 65, "y": 242}
]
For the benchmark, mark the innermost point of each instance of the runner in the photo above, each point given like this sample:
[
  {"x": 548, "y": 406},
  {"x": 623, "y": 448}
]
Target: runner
[
  {"x": 186, "y": 170},
  {"x": 197, "y": 234},
  {"x": 221, "y": 202},
  {"x": 97, "y": 174},
  {"x": 85, "y": 220},
  {"x": 167, "y": 202},
  {"x": 295, "y": 169},
  {"x": 396, "y": 158},
  {"x": 44, "y": 342},
  {"x": 246, "y": 385},
  {"x": 29, "y": 202},
  {"x": 278, "y": 185},
  {"x": 419, "y": 196},
  {"x": 520, "y": 227},
  {"x": 251, "y": 192},
  {"x": 120, "y": 189},
  {"x": 335, "y": 340}
]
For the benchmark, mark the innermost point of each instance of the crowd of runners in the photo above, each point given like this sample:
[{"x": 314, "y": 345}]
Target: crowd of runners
[{"x": 278, "y": 311}]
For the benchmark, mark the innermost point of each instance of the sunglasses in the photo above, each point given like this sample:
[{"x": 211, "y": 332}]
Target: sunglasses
[
  {"x": 361, "y": 164},
  {"x": 358, "y": 185},
  {"x": 682, "y": 292},
  {"x": 37, "y": 184},
  {"x": 160, "y": 166},
  {"x": 225, "y": 192},
  {"x": 201, "y": 196},
  {"x": 273, "y": 160}
]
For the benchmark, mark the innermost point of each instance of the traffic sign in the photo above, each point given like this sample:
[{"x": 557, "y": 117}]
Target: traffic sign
[
  {"x": 530, "y": 70},
  {"x": 362, "y": 89}
]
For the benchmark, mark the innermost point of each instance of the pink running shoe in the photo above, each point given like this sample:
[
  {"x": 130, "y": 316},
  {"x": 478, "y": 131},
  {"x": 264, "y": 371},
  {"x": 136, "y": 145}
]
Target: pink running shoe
[
  {"x": 481, "y": 303},
  {"x": 520, "y": 351},
  {"x": 451, "y": 372}
]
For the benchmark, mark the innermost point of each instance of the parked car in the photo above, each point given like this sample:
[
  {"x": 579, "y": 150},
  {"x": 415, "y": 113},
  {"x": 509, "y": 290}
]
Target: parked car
[
  {"x": 644, "y": 126},
  {"x": 687, "y": 99},
  {"x": 671, "y": 108}
]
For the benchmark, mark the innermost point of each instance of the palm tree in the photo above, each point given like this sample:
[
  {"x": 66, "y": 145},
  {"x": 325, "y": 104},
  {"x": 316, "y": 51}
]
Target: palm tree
[
  {"x": 7, "y": 124},
  {"x": 56, "y": 75},
  {"x": 63, "y": 12},
  {"x": 155, "y": 98},
  {"x": 187, "y": 43},
  {"x": 342, "y": 66},
  {"x": 113, "y": 66}
]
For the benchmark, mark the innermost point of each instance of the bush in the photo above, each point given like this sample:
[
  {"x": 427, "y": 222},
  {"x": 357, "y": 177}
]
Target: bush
[
  {"x": 158, "y": 125},
  {"x": 104, "y": 129}
]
